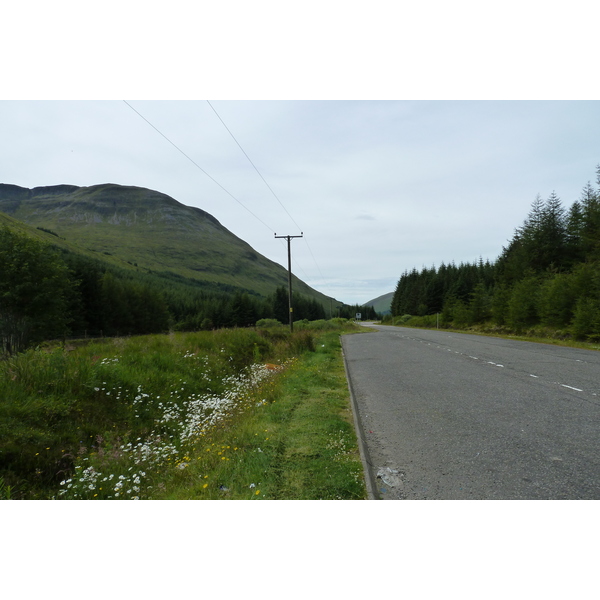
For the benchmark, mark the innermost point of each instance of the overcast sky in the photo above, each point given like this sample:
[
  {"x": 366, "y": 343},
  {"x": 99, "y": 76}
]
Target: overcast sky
[{"x": 377, "y": 187}]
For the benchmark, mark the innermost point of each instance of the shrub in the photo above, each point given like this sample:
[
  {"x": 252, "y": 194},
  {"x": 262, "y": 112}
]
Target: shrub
[
  {"x": 302, "y": 341},
  {"x": 262, "y": 323},
  {"x": 339, "y": 321},
  {"x": 403, "y": 319},
  {"x": 586, "y": 320},
  {"x": 244, "y": 346},
  {"x": 318, "y": 325}
]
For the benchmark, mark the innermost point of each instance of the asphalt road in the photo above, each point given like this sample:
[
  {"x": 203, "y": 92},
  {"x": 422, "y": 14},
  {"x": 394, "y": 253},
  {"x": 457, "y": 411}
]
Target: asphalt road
[{"x": 457, "y": 416}]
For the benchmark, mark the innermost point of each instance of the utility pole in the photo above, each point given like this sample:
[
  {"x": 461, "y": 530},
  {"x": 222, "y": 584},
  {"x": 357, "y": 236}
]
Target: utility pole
[{"x": 289, "y": 239}]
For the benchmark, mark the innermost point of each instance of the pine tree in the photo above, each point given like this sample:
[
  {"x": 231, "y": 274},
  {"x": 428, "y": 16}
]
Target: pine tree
[
  {"x": 281, "y": 305},
  {"x": 35, "y": 292},
  {"x": 479, "y": 305},
  {"x": 499, "y": 303},
  {"x": 522, "y": 305},
  {"x": 590, "y": 205},
  {"x": 557, "y": 298},
  {"x": 586, "y": 320},
  {"x": 552, "y": 239},
  {"x": 574, "y": 230}
]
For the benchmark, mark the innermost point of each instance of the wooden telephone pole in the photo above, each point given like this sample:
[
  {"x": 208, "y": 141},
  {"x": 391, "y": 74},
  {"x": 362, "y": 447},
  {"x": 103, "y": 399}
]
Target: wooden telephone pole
[{"x": 289, "y": 239}]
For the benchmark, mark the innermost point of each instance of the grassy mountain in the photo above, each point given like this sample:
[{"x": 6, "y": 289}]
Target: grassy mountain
[
  {"x": 148, "y": 230},
  {"x": 382, "y": 304}
]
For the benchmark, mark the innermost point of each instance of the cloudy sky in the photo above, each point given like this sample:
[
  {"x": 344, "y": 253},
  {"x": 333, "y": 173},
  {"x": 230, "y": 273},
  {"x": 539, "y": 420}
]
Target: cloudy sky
[{"x": 376, "y": 187}]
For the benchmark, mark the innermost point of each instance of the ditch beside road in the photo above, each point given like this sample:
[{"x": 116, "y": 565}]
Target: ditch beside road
[{"x": 458, "y": 416}]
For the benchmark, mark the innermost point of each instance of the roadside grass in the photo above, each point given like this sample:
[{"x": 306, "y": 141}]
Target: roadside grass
[
  {"x": 299, "y": 445},
  {"x": 229, "y": 414},
  {"x": 318, "y": 454}
]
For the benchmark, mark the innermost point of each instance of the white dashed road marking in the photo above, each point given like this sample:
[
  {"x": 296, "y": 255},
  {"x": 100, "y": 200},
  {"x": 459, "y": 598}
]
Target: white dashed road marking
[{"x": 489, "y": 362}]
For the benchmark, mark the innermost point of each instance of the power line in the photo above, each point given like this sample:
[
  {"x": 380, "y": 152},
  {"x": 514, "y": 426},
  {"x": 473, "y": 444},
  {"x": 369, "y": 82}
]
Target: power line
[
  {"x": 311, "y": 253},
  {"x": 215, "y": 181},
  {"x": 255, "y": 168},
  {"x": 201, "y": 169},
  {"x": 197, "y": 165},
  {"x": 265, "y": 181}
]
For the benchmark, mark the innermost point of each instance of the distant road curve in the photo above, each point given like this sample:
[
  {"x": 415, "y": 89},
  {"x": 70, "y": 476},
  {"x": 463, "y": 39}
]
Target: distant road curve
[{"x": 458, "y": 416}]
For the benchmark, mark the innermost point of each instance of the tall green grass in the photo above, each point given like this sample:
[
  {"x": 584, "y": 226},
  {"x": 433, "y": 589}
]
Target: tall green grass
[
  {"x": 299, "y": 443},
  {"x": 134, "y": 417}
]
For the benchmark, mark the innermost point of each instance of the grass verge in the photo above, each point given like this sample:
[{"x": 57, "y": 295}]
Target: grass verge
[
  {"x": 231, "y": 414},
  {"x": 298, "y": 445}
]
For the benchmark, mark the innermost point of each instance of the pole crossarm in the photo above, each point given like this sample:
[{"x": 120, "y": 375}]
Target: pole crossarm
[{"x": 289, "y": 240}]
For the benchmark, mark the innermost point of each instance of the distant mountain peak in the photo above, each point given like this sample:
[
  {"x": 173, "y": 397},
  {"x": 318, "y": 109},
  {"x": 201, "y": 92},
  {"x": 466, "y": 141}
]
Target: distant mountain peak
[{"x": 382, "y": 304}]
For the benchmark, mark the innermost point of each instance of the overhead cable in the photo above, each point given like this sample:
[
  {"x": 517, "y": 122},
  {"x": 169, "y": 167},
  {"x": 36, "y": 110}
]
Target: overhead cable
[
  {"x": 198, "y": 166},
  {"x": 265, "y": 181},
  {"x": 255, "y": 168}
]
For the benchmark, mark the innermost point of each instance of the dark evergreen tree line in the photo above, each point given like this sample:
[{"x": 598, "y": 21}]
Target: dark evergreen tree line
[
  {"x": 548, "y": 275},
  {"x": 426, "y": 292},
  {"x": 349, "y": 311},
  {"x": 48, "y": 293},
  {"x": 35, "y": 292}
]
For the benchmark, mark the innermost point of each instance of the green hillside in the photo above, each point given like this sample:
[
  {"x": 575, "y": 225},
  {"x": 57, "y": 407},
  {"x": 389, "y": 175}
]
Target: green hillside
[
  {"x": 148, "y": 230},
  {"x": 47, "y": 235},
  {"x": 382, "y": 304}
]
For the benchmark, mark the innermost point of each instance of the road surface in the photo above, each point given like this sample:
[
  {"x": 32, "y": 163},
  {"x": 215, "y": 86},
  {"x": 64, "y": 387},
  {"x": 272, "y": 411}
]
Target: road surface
[{"x": 458, "y": 416}]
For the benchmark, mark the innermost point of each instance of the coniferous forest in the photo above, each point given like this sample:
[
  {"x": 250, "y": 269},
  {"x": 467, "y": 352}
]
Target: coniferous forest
[
  {"x": 547, "y": 277},
  {"x": 47, "y": 292}
]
